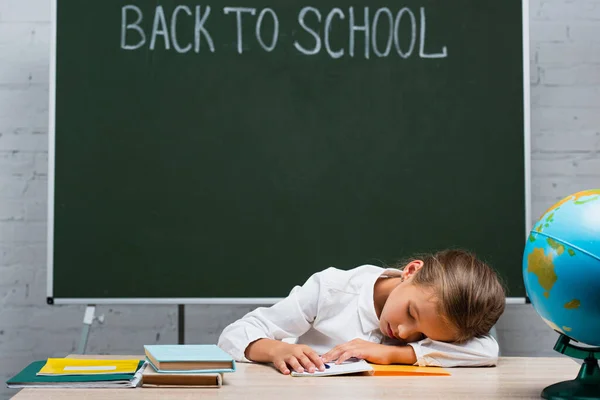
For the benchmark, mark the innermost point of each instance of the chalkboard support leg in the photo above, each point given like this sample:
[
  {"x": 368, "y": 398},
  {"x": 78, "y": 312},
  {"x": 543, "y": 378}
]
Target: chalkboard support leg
[
  {"x": 88, "y": 318},
  {"x": 181, "y": 324}
]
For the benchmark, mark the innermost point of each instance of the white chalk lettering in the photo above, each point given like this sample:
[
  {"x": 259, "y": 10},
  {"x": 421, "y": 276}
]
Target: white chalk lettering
[
  {"x": 413, "y": 32},
  {"x": 200, "y": 29},
  {"x": 364, "y": 28},
  {"x": 275, "y": 29},
  {"x": 444, "y": 52},
  {"x": 388, "y": 45},
  {"x": 332, "y": 13},
  {"x": 159, "y": 19},
  {"x": 301, "y": 16},
  {"x": 238, "y": 11},
  {"x": 385, "y": 29},
  {"x": 176, "y": 45},
  {"x": 135, "y": 26}
]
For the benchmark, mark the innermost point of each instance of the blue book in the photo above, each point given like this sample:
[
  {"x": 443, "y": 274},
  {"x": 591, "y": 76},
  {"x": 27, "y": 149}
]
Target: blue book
[{"x": 189, "y": 358}]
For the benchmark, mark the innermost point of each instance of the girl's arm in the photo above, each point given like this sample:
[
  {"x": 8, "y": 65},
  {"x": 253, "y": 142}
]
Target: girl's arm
[
  {"x": 372, "y": 352},
  {"x": 477, "y": 352},
  {"x": 289, "y": 318}
]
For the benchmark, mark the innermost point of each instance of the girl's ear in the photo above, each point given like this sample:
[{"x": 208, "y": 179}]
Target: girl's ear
[{"x": 410, "y": 269}]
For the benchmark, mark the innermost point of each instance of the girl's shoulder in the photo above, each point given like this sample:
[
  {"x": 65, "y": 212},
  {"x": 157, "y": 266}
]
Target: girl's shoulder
[{"x": 347, "y": 278}]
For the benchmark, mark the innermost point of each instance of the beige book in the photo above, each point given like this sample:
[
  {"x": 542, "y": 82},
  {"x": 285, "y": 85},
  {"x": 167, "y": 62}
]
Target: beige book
[{"x": 151, "y": 378}]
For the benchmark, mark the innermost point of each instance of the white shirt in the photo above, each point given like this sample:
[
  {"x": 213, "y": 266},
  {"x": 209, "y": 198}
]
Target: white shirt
[{"x": 335, "y": 306}]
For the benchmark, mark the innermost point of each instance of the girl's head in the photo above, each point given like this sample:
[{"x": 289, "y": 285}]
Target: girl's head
[{"x": 448, "y": 296}]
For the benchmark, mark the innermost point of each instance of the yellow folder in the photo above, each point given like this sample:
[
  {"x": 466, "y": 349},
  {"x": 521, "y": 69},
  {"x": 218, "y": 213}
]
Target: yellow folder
[
  {"x": 407, "y": 370},
  {"x": 85, "y": 366}
]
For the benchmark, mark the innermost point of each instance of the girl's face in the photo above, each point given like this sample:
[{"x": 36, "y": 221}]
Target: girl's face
[{"x": 410, "y": 312}]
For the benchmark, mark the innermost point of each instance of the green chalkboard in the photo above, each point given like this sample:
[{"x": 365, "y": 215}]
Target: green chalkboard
[{"x": 229, "y": 150}]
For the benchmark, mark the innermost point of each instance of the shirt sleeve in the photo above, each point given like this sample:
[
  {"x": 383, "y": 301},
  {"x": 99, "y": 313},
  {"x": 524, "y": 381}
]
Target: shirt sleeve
[
  {"x": 289, "y": 318},
  {"x": 478, "y": 352}
]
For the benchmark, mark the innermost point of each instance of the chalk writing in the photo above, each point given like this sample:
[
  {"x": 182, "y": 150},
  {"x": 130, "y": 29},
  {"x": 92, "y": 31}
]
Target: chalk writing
[
  {"x": 270, "y": 47},
  {"x": 161, "y": 30},
  {"x": 371, "y": 32},
  {"x": 238, "y": 12}
]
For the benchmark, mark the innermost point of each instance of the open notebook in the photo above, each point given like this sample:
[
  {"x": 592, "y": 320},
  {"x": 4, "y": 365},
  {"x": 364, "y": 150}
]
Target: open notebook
[{"x": 352, "y": 366}]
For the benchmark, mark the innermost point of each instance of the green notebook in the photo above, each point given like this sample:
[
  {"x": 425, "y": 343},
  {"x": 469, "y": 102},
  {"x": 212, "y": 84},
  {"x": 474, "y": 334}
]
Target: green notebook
[{"x": 27, "y": 378}]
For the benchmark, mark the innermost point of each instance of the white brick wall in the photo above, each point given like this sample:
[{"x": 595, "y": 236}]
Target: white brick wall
[
  {"x": 565, "y": 109},
  {"x": 565, "y": 98}
]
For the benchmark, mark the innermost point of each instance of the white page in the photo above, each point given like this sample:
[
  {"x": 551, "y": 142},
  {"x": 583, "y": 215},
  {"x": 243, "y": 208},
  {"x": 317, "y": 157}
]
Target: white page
[{"x": 347, "y": 367}]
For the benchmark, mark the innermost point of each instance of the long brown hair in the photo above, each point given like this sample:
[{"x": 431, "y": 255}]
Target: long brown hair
[{"x": 471, "y": 297}]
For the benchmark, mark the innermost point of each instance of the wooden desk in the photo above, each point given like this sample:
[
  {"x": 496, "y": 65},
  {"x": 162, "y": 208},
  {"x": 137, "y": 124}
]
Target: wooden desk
[{"x": 514, "y": 378}]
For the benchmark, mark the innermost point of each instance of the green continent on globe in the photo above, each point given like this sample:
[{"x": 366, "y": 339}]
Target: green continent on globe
[
  {"x": 542, "y": 266},
  {"x": 572, "y": 304},
  {"x": 560, "y": 248},
  {"x": 596, "y": 197},
  {"x": 545, "y": 222}
]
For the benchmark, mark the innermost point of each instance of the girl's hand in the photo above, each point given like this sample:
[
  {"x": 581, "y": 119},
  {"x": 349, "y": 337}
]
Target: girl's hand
[
  {"x": 298, "y": 357},
  {"x": 372, "y": 352}
]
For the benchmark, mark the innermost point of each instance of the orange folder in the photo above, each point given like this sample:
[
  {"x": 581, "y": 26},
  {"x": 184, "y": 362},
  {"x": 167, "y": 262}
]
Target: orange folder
[{"x": 407, "y": 370}]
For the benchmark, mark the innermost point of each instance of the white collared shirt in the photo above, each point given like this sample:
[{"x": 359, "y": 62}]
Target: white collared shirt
[{"x": 335, "y": 306}]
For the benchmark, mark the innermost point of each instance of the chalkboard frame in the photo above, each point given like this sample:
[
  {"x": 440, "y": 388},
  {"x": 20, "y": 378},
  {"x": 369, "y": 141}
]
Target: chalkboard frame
[{"x": 51, "y": 299}]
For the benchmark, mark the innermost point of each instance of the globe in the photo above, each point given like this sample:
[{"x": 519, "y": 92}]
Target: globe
[{"x": 561, "y": 267}]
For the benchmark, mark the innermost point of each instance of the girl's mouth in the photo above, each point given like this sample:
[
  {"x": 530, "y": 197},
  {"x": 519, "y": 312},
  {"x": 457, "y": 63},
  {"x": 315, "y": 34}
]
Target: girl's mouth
[{"x": 390, "y": 333}]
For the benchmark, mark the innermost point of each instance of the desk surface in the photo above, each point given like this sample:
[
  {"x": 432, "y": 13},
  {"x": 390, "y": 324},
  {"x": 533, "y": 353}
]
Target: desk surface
[{"x": 514, "y": 377}]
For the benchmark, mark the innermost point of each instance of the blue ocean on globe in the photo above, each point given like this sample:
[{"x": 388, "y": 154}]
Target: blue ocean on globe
[{"x": 561, "y": 266}]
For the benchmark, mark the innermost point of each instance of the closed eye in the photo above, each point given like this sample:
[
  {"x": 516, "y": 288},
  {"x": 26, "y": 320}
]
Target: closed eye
[{"x": 409, "y": 313}]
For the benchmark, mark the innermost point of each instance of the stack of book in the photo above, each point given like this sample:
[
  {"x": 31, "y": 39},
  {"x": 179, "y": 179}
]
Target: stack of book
[
  {"x": 186, "y": 366},
  {"x": 79, "y": 373}
]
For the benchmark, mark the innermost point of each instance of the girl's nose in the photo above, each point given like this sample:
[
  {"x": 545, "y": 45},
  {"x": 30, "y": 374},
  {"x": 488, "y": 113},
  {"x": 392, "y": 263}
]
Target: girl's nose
[
  {"x": 408, "y": 333},
  {"x": 404, "y": 331}
]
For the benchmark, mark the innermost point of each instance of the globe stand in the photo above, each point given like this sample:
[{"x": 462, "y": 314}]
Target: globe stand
[{"x": 587, "y": 384}]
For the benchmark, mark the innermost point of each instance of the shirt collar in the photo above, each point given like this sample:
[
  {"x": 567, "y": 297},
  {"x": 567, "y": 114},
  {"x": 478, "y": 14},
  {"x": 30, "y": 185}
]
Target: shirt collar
[{"x": 366, "y": 306}]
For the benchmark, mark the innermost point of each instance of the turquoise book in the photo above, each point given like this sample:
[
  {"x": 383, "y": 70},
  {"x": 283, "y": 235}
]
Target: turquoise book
[{"x": 189, "y": 358}]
